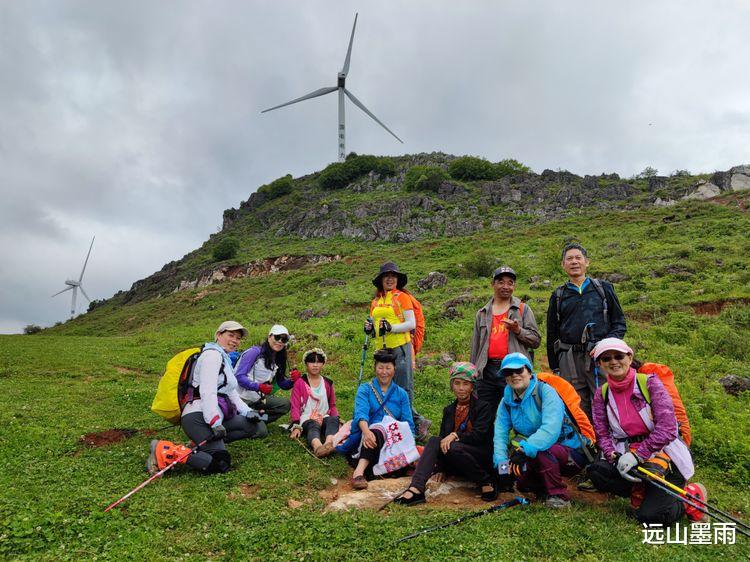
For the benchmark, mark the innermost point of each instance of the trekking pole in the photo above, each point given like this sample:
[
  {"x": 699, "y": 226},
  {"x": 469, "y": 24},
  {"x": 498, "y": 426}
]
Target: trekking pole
[
  {"x": 309, "y": 452},
  {"x": 362, "y": 362},
  {"x": 696, "y": 499},
  {"x": 518, "y": 500},
  {"x": 157, "y": 475}
]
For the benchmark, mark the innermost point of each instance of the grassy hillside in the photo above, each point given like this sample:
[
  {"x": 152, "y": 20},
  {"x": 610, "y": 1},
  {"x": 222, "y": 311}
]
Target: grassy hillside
[{"x": 685, "y": 292}]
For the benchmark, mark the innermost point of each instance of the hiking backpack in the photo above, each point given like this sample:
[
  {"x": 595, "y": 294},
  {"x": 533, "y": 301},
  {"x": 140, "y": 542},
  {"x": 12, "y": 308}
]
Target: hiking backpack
[
  {"x": 417, "y": 334},
  {"x": 577, "y": 418},
  {"x": 667, "y": 378},
  {"x": 176, "y": 390},
  {"x": 597, "y": 287}
]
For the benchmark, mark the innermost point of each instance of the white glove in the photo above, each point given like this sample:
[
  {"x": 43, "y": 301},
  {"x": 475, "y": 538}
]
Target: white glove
[{"x": 625, "y": 464}]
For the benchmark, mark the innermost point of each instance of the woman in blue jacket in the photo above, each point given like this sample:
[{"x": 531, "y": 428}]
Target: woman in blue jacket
[
  {"x": 374, "y": 400},
  {"x": 546, "y": 445}
]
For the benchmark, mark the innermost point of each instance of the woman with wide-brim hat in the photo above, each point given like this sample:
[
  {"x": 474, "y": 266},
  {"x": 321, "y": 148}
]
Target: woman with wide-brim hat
[{"x": 391, "y": 322}]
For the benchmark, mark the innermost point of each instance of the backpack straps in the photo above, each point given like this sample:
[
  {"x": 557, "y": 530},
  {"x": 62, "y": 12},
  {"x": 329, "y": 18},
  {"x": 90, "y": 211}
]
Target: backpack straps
[
  {"x": 605, "y": 303},
  {"x": 558, "y": 301},
  {"x": 642, "y": 381}
]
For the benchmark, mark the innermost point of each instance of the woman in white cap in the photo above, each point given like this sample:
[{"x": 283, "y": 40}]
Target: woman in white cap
[
  {"x": 635, "y": 425},
  {"x": 262, "y": 365},
  {"x": 214, "y": 409}
]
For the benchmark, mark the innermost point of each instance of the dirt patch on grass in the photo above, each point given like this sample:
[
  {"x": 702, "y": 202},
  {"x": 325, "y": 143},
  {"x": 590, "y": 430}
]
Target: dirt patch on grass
[
  {"x": 244, "y": 491},
  {"x": 714, "y": 308},
  {"x": 128, "y": 371},
  {"x": 108, "y": 437},
  {"x": 452, "y": 494}
]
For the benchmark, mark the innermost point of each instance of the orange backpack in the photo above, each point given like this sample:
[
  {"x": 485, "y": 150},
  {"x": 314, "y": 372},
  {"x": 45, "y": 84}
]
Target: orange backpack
[
  {"x": 417, "y": 334},
  {"x": 572, "y": 403}
]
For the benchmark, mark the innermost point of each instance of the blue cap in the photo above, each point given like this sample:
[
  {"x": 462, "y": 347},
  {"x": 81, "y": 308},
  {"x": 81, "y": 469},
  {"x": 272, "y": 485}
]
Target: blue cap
[{"x": 516, "y": 361}]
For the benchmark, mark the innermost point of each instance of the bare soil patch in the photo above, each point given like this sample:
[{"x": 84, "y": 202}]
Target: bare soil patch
[
  {"x": 108, "y": 437},
  {"x": 714, "y": 308}
]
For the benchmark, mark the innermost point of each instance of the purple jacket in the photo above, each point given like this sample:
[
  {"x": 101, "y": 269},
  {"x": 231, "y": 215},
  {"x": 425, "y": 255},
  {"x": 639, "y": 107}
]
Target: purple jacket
[
  {"x": 661, "y": 411},
  {"x": 245, "y": 365}
]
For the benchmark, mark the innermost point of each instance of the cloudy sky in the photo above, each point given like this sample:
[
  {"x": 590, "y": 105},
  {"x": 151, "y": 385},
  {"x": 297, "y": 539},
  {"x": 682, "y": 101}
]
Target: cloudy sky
[{"x": 139, "y": 122}]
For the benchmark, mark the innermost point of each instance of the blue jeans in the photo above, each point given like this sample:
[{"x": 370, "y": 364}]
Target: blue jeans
[{"x": 405, "y": 376}]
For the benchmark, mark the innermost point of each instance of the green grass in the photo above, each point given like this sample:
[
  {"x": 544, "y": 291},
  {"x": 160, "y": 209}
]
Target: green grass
[{"x": 100, "y": 371}]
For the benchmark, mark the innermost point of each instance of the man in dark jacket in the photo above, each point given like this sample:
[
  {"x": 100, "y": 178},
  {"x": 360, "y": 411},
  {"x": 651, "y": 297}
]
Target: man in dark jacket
[
  {"x": 581, "y": 312},
  {"x": 464, "y": 447}
]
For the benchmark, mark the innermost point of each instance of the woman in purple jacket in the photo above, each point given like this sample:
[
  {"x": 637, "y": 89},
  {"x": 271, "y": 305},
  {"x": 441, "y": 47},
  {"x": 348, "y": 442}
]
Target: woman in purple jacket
[
  {"x": 313, "y": 405},
  {"x": 638, "y": 428}
]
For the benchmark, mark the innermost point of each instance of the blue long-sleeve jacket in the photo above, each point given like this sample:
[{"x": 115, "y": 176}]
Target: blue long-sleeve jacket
[{"x": 541, "y": 429}]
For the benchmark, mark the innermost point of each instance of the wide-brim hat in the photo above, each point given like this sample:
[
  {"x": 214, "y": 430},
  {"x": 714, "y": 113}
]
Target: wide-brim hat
[
  {"x": 231, "y": 326},
  {"x": 390, "y": 267}
]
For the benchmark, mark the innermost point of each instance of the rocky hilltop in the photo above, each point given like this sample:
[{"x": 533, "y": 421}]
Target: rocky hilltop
[{"x": 380, "y": 205}]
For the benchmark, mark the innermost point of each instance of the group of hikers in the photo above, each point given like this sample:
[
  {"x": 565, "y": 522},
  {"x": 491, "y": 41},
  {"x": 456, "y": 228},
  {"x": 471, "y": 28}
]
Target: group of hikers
[{"x": 600, "y": 416}]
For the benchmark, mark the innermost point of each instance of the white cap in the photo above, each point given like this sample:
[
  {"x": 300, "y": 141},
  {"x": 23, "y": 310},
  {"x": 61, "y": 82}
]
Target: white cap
[
  {"x": 231, "y": 326},
  {"x": 277, "y": 330}
]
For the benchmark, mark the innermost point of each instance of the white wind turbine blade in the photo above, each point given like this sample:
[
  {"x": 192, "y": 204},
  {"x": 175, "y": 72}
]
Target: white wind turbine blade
[
  {"x": 315, "y": 94},
  {"x": 84, "y": 293},
  {"x": 359, "y": 104},
  {"x": 345, "y": 70},
  {"x": 66, "y": 289},
  {"x": 87, "y": 259}
]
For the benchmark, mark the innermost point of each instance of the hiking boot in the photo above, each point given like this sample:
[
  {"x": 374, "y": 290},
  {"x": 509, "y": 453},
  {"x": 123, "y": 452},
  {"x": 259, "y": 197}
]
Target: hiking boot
[
  {"x": 699, "y": 491},
  {"x": 637, "y": 494},
  {"x": 586, "y": 485},
  {"x": 163, "y": 453},
  {"x": 556, "y": 502},
  {"x": 152, "y": 465},
  {"x": 423, "y": 429}
]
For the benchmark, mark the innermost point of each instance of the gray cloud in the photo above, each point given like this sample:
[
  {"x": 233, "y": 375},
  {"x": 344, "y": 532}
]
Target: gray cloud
[{"x": 140, "y": 122}]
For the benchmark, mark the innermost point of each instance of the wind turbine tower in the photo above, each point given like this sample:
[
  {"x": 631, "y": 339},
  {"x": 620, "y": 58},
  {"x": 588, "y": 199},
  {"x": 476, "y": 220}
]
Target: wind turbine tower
[
  {"x": 73, "y": 285},
  {"x": 341, "y": 88}
]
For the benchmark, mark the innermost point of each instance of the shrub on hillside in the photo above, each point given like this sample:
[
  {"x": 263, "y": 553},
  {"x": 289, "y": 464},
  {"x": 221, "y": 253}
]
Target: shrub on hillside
[
  {"x": 508, "y": 167},
  {"x": 95, "y": 304},
  {"x": 469, "y": 168},
  {"x": 278, "y": 187},
  {"x": 424, "y": 178},
  {"x": 226, "y": 249},
  {"x": 479, "y": 264},
  {"x": 32, "y": 329},
  {"x": 648, "y": 172},
  {"x": 340, "y": 174}
]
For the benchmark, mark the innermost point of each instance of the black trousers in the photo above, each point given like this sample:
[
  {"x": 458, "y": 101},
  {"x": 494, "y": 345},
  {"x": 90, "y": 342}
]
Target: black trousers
[
  {"x": 469, "y": 461},
  {"x": 657, "y": 506},
  {"x": 491, "y": 386},
  {"x": 313, "y": 430}
]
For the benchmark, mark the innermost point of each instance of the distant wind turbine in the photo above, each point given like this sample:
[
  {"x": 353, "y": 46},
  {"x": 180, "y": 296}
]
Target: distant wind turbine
[
  {"x": 341, "y": 87},
  {"x": 73, "y": 285}
]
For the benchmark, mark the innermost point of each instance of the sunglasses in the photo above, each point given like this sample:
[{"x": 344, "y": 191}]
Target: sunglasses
[
  {"x": 615, "y": 356},
  {"x": 511, "y": 372},
  {"x": 283, "y": 338}
]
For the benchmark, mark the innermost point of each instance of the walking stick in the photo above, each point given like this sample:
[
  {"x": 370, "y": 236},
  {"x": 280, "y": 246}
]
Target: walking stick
[
  {"x": 515, "y": 501},
  {"x": 309, "y": 452},
  {"x": 691, "y": 499},
  {"x": 362, "y": 362},
  {"x": 157, "y": 475}
]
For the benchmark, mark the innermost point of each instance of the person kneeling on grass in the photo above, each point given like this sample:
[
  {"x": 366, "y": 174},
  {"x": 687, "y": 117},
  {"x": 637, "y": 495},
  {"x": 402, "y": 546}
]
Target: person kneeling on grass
[
  {"x": 634, "y": 430},
  {"x": 464, "y": 445},
  {"x": 546, "y": 447},
  {"x": 214, "y": 412},
  {"x": 382, "y": 420},
  {"x": 313, "y": 403}
]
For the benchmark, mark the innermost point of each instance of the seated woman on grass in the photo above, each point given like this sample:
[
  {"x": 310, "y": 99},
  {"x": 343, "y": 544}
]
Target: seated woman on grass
[
  {"x": 314, "y": 412},
  {"x": 635, "y": 427},
  {"x": 546, "y": 445},
  {"x": 464, "y": 446},
  {"x": 375, "y": 400}
]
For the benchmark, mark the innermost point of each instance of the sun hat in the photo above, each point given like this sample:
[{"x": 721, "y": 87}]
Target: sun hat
[
  {"x": 231, "y": 326},
  {"x": 610, "y": 344},
  {"x": 390, "y": 267}
]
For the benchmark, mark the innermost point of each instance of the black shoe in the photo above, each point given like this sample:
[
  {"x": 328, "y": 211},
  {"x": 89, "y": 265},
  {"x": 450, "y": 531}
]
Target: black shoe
[
  {"x": 490, "y": 496},
  {"x": 416, "y": 498}
]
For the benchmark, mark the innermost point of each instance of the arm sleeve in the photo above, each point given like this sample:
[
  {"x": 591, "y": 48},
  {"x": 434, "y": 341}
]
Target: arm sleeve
[
  {"x": 502, "y": 435},
  {"x": 297, "y": 400},
  {"x": 480, "y": 427},
  {"x": 552, "y": 332},
  {"x": 617, "y": 326},
  {"x": 361, "y": 405},
  {"x": 332, "y": 410},
  {"x": 529, "y": 334},
  {"x": 665, "y": 422},
  {"x": 601, "y": 425},
  {"x": 209, "y": 365},
  {"x": 244, "y": 365},
  {"x": 475, "y": 338},
  {"x": 405, "y": 407},
  {"x": 242, "y": 408},
  {"x": 552, "y": 419},
  {"x": 409, "y": 323}
]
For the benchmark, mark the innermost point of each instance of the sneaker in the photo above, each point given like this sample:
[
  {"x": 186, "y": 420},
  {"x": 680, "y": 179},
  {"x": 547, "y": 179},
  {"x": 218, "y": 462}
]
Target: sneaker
[
  {"x": 556, "y": 502},
  {"x": 699, "y": 491},
  {"x": 152, "y": 465},
  {"x": 586, "y": 485},
  {"x": 423, "y": 429}
]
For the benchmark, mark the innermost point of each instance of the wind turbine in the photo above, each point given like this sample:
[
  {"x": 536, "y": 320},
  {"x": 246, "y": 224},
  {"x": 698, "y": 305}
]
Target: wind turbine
[
  {"x": 73, "y": 285},
  {"x": 341, "y": 88}
]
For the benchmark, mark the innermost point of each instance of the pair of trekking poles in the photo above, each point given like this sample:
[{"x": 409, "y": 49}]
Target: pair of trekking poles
[{"x": 381, "y": 333}]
